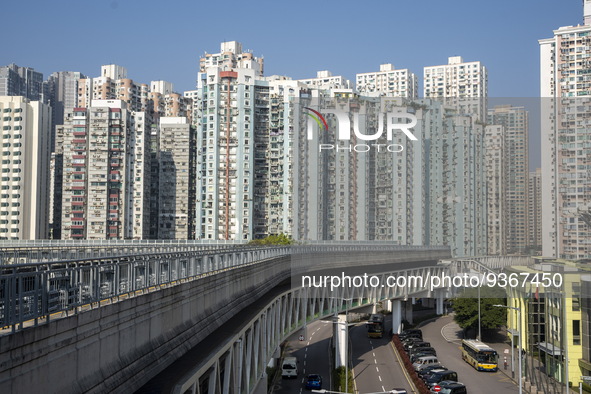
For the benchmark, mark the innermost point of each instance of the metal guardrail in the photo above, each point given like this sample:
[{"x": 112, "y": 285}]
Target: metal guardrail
[
  {"x": 32, "y": 292},
  {"x": 35, "y": 291}
]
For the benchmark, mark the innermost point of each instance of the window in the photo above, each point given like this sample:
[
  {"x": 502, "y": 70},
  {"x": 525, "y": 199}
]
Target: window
[{"x": 576, "y": 332}]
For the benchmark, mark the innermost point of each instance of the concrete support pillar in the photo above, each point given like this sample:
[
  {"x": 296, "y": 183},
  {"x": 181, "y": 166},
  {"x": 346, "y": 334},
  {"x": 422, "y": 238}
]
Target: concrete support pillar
[
  {"x": 387, "y": 305},
  {"x": 374, "y": 309},
  {"x": 408, "y": 311},
  {"x": 396, "y": 316},
  {"x": 413, "y": 300},
  {"x": 340, "y": 341},
  {"x": 439, "y": 302}
]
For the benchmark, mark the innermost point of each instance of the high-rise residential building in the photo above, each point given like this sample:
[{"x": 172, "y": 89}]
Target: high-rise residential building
[
  {"x": 388, "y": 82},
  {"x": 515, "y": 193},
  {"x": 458, "y": 83},
  {"x": 140, "y": 162},
  {"x": 176, "y": 207},
  {"x": 496, "y": 173},
  {"x": 21, "y": 81},
  {"x": 535, "y": 212},
  {"x": 113, "y": 71},
  {"x": 62, "y": 95},
  {"x": 230, "y": 104},
  {"x": 565, "y": 84},
  {"x": 193, "y": 102},
  {"x": 154, "y": 180},
  {"x": 162, "y": 87},
  {"x": 24, "y": 188},
  {"x": 96, "y": 172},
  {"x": 232, "y": 56},
  {"x": 244, "y": 125},
  {"x": 363, "y": 190},
  {"x": 113, "y": 84},
  {"x": 325, "y": 80}
]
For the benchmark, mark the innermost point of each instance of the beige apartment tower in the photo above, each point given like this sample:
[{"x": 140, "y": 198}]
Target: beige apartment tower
[{"x": 24, "y": 186}]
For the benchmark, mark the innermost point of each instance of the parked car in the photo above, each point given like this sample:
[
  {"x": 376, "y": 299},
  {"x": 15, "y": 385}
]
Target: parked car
[
  {"x": 437, "y": 377},
  {"x": 423, "y": 361},
  {"x": 398, "y": 391},
  {"x": 415, "y": 333},
  {"x": 424, "y": 349},
  {"x": 314, "y": 382},
  {"x": 417, "y": 344},
  {"x": 428, "y": 374},
  {"x": 449, "y": 387},
  {"x": 428, "y": 370},
  {"x": 416, "y": 356}
]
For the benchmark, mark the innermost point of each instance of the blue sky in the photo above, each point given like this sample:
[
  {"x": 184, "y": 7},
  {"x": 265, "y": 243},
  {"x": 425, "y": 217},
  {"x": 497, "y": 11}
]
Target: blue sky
[{"x": 164, "y": 40}]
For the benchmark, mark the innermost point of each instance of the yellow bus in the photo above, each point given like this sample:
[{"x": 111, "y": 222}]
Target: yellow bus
[
  {"x": 479, "y": 355},
  {"x": 375, "y": 326}
]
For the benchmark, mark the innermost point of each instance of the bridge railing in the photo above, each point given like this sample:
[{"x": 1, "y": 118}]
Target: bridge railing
[
  {"x": 46, "y": 286},
  {"x": 34, "y": 292}
]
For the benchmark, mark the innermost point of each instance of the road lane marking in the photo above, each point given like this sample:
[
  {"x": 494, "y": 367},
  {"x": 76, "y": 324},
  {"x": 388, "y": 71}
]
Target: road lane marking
[
  {"x": 377, "y": 369},
  {"x": 374, "y": 353},
  {"x": 370, "y": 343},
  {"x": 383, "y": 389},
  {"x": 375, "y": 361},
  {"x": 379, "y": 377},
  {"x": 306, "y": 355},
  {"x": 308, "y": 343},
  {"x": 304, "y": 363}
]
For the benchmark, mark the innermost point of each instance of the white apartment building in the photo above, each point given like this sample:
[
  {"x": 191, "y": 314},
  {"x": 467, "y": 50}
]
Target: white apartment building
[
  {"x": 388, "y": 82},
  {"x": 24, "y": 185},
  {"x": 232, "y": 56},
  {"x": 140, "y": 174},
  {"x": 458, "y": 83},
  {"x": 113, "y": 71},
  {"x": 230, "y": 107},
  {"x": 96, "y": 172},
  {"x": 325, "y": 80},
  {"x": 565, "y": 87},
  {"x": 162, "y": 87}
]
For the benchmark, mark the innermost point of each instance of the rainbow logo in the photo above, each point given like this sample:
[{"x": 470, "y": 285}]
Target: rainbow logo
[{"x": 317, "y": 116}]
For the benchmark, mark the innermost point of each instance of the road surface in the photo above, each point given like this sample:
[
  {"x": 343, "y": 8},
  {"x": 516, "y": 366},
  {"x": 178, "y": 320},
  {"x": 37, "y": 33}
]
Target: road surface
[
  {"x": 375, "y": 365},
  {"x": 449, "y": 354}
]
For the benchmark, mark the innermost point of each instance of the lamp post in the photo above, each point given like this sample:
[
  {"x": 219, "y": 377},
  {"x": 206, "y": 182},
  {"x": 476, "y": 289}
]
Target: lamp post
[
  {"x": 347, "y": 344},
  {"x": 346, "y": 341},
  {"x": 479, "y": 325},
  {"x": 520, "y": 355}
]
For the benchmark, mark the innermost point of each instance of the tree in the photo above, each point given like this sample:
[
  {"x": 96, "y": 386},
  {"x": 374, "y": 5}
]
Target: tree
[
  {"x": 466, "y": 308},
  {"x": 275, "y": 239}
]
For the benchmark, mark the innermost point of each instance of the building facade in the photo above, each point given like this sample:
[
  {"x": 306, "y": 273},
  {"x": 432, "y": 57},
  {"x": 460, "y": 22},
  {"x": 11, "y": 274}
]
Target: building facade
[
  {"x": 24, "y": 194},
  {"x": 61, "y": 90},
  {"x": 388, "y": 82},
  {"x": 176, "y": 208},
  {"x": 516, "y": 177},
  {"x": 565, "y": 84},
  {"x": 458, "y": 83},
  {"x": 21, "y": 81},
  {"x": 535, "y": 212},
  {"x": 96, "y": 172}
]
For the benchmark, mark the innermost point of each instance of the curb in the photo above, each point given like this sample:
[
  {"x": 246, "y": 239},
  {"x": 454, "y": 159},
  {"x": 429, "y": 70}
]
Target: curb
[{"x": 406, "y": 375}]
